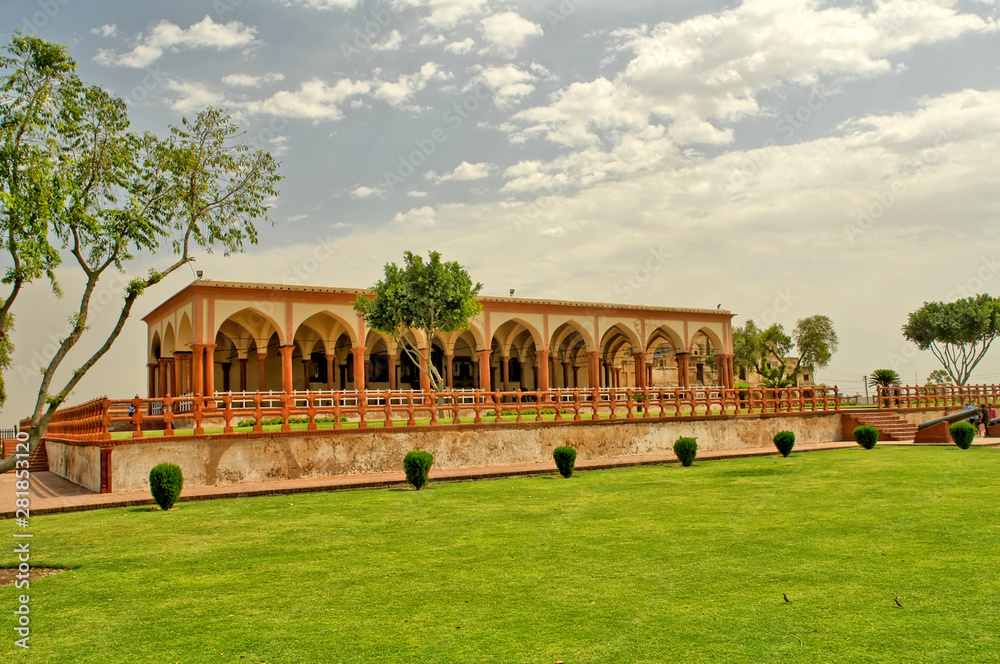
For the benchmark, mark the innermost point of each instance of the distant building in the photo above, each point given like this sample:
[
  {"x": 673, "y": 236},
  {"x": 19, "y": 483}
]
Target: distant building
[{"x": 239, "y": 336}]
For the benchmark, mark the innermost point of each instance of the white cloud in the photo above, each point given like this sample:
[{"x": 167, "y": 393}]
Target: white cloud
[
  {"x": 251, "y": 81},
  {"x": 423, "y": 217},
  {"x": 402, "y": 90},
  {"x": 430, "y": 40},
  {"x": 324, "y": 5},
  {"x": 553, "y": 232},
  {"x": 391, "y": 43},
  {"x": 446, "y": 14},
  {"x": 315, "y": 99},
  {"x": 461, "y": 47},
  {"x": 691, "y": 82},
  {"x": 167, "y": 36},
  {"x": 508, "y": 30},
  {"x": 509, "y": 83},
  {"x": 417, "y": 194},
  {"x": 464, "y": 172},
  {"x": 363, "y": 192},
  {"x": 192, "y": 95},
  {"x": 105, "y": 30}
]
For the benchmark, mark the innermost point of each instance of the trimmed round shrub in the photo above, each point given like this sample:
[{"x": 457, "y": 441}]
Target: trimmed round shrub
[
  {"x": 417, "y": 464},
  {"x": 165, "y": 483},
  {"x": 686, "y": 450},
  {"x": 784, "y": 441},
  {"x": 962, "y": 433},
  {"x": 565, "y": 458},
  {"x": 866, "y": 436}
]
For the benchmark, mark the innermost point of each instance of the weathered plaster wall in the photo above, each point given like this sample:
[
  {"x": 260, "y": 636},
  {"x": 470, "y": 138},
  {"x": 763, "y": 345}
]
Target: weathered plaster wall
[
  {"x": 78, "y": 464},
  {"x": 218, "y": 460}
]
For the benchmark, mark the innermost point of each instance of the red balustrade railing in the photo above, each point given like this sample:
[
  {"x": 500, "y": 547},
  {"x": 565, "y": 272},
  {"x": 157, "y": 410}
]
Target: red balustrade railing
[
  {"x": 936, "y": 396},
  {"x": 88, "y": 421},
  {"x": 96, "y": 420}
]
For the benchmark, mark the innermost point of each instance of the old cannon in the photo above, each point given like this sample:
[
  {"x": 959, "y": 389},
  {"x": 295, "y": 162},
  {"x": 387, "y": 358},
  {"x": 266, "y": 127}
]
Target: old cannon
[{"x": 936, "y": 430}]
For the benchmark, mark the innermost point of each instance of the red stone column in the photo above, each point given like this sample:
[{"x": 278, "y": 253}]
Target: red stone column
[
  {"x": 576, "y": 375},
  {"x": 197, "y": 370},
  {"x": 505, "y": 371},
  {"x": 209, "y": 369},
  {"x": 329, "y": 371},
  {"x": 286, "y": 368},
  {"x": 178, "y": 386},
  {"x": 640, "y": 369},
  {"x": 732, "y": 371},
  {"x": 261, "y": 372},
  {"x": 448, "y": 372},
  {"x": 165, "y": 369},
  {"x": 359, "y": 367},
  {"x": 485, "y": 383},
  {"x": 393, "y": 361},
  {"x": 618, "y": 376},
  {"x": 543, "y": 369},
  {"x": 243, "y": 374},
  {"x": 151, "y": 374},
  {"x": 683, "y": 369},
  {"x": 594, "y": 366},
  {"x": 649, "y": 375}
]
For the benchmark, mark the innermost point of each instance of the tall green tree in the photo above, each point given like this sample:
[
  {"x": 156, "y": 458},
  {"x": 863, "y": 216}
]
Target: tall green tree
[
  {"x": 432, "y": 297},
  {"x": 939, "y": 377},
  {"x": 769, "y": 352},
  {"x": 959, "y": 333},
  {"x": 37, "y": 80},
  {"x": 120, "y": 193}
]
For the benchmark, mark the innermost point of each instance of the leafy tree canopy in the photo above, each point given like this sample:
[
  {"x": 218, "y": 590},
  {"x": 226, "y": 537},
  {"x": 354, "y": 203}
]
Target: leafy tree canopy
[
  {"x": 959, "y": 333},
  {"x": 939, "y": 377},
  {"x": 814, "y": 340},
  {"x": 431, "y": 297},
  {"x": 77, "y": 186}
]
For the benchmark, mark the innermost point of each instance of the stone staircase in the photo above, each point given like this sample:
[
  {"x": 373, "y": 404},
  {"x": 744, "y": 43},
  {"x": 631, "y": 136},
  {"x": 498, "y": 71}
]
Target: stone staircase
[
  {"x": 37, "y": 462},
  {"x": 890, "y": 426}
]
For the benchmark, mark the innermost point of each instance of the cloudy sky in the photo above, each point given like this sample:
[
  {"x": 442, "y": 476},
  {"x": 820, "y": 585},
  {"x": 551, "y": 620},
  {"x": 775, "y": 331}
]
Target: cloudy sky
[{"x": 781, "y": 158}]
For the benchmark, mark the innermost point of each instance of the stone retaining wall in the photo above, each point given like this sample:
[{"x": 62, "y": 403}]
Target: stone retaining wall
[{"x": 263, "y": 457}]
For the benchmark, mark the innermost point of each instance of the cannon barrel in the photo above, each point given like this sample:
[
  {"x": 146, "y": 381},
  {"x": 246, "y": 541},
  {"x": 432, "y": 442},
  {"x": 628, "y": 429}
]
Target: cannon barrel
[{"x": 954, "y": 417}]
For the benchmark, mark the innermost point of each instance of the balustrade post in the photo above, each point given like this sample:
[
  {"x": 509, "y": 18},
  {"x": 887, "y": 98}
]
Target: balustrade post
[
  {"x": 258, "y": 414},
  {"x": 311, "y": 410},
  {"x": 227, "y": 412},
  {"x": 196, "y": 403},
  {"x": 168, "y": 415},
  {"x": 136, "y": 408},
  {"x": 362, "y": 407}
]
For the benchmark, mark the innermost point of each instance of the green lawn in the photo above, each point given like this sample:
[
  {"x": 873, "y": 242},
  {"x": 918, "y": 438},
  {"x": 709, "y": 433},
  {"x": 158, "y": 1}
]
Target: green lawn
[{"x": 654, "y": 564}]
